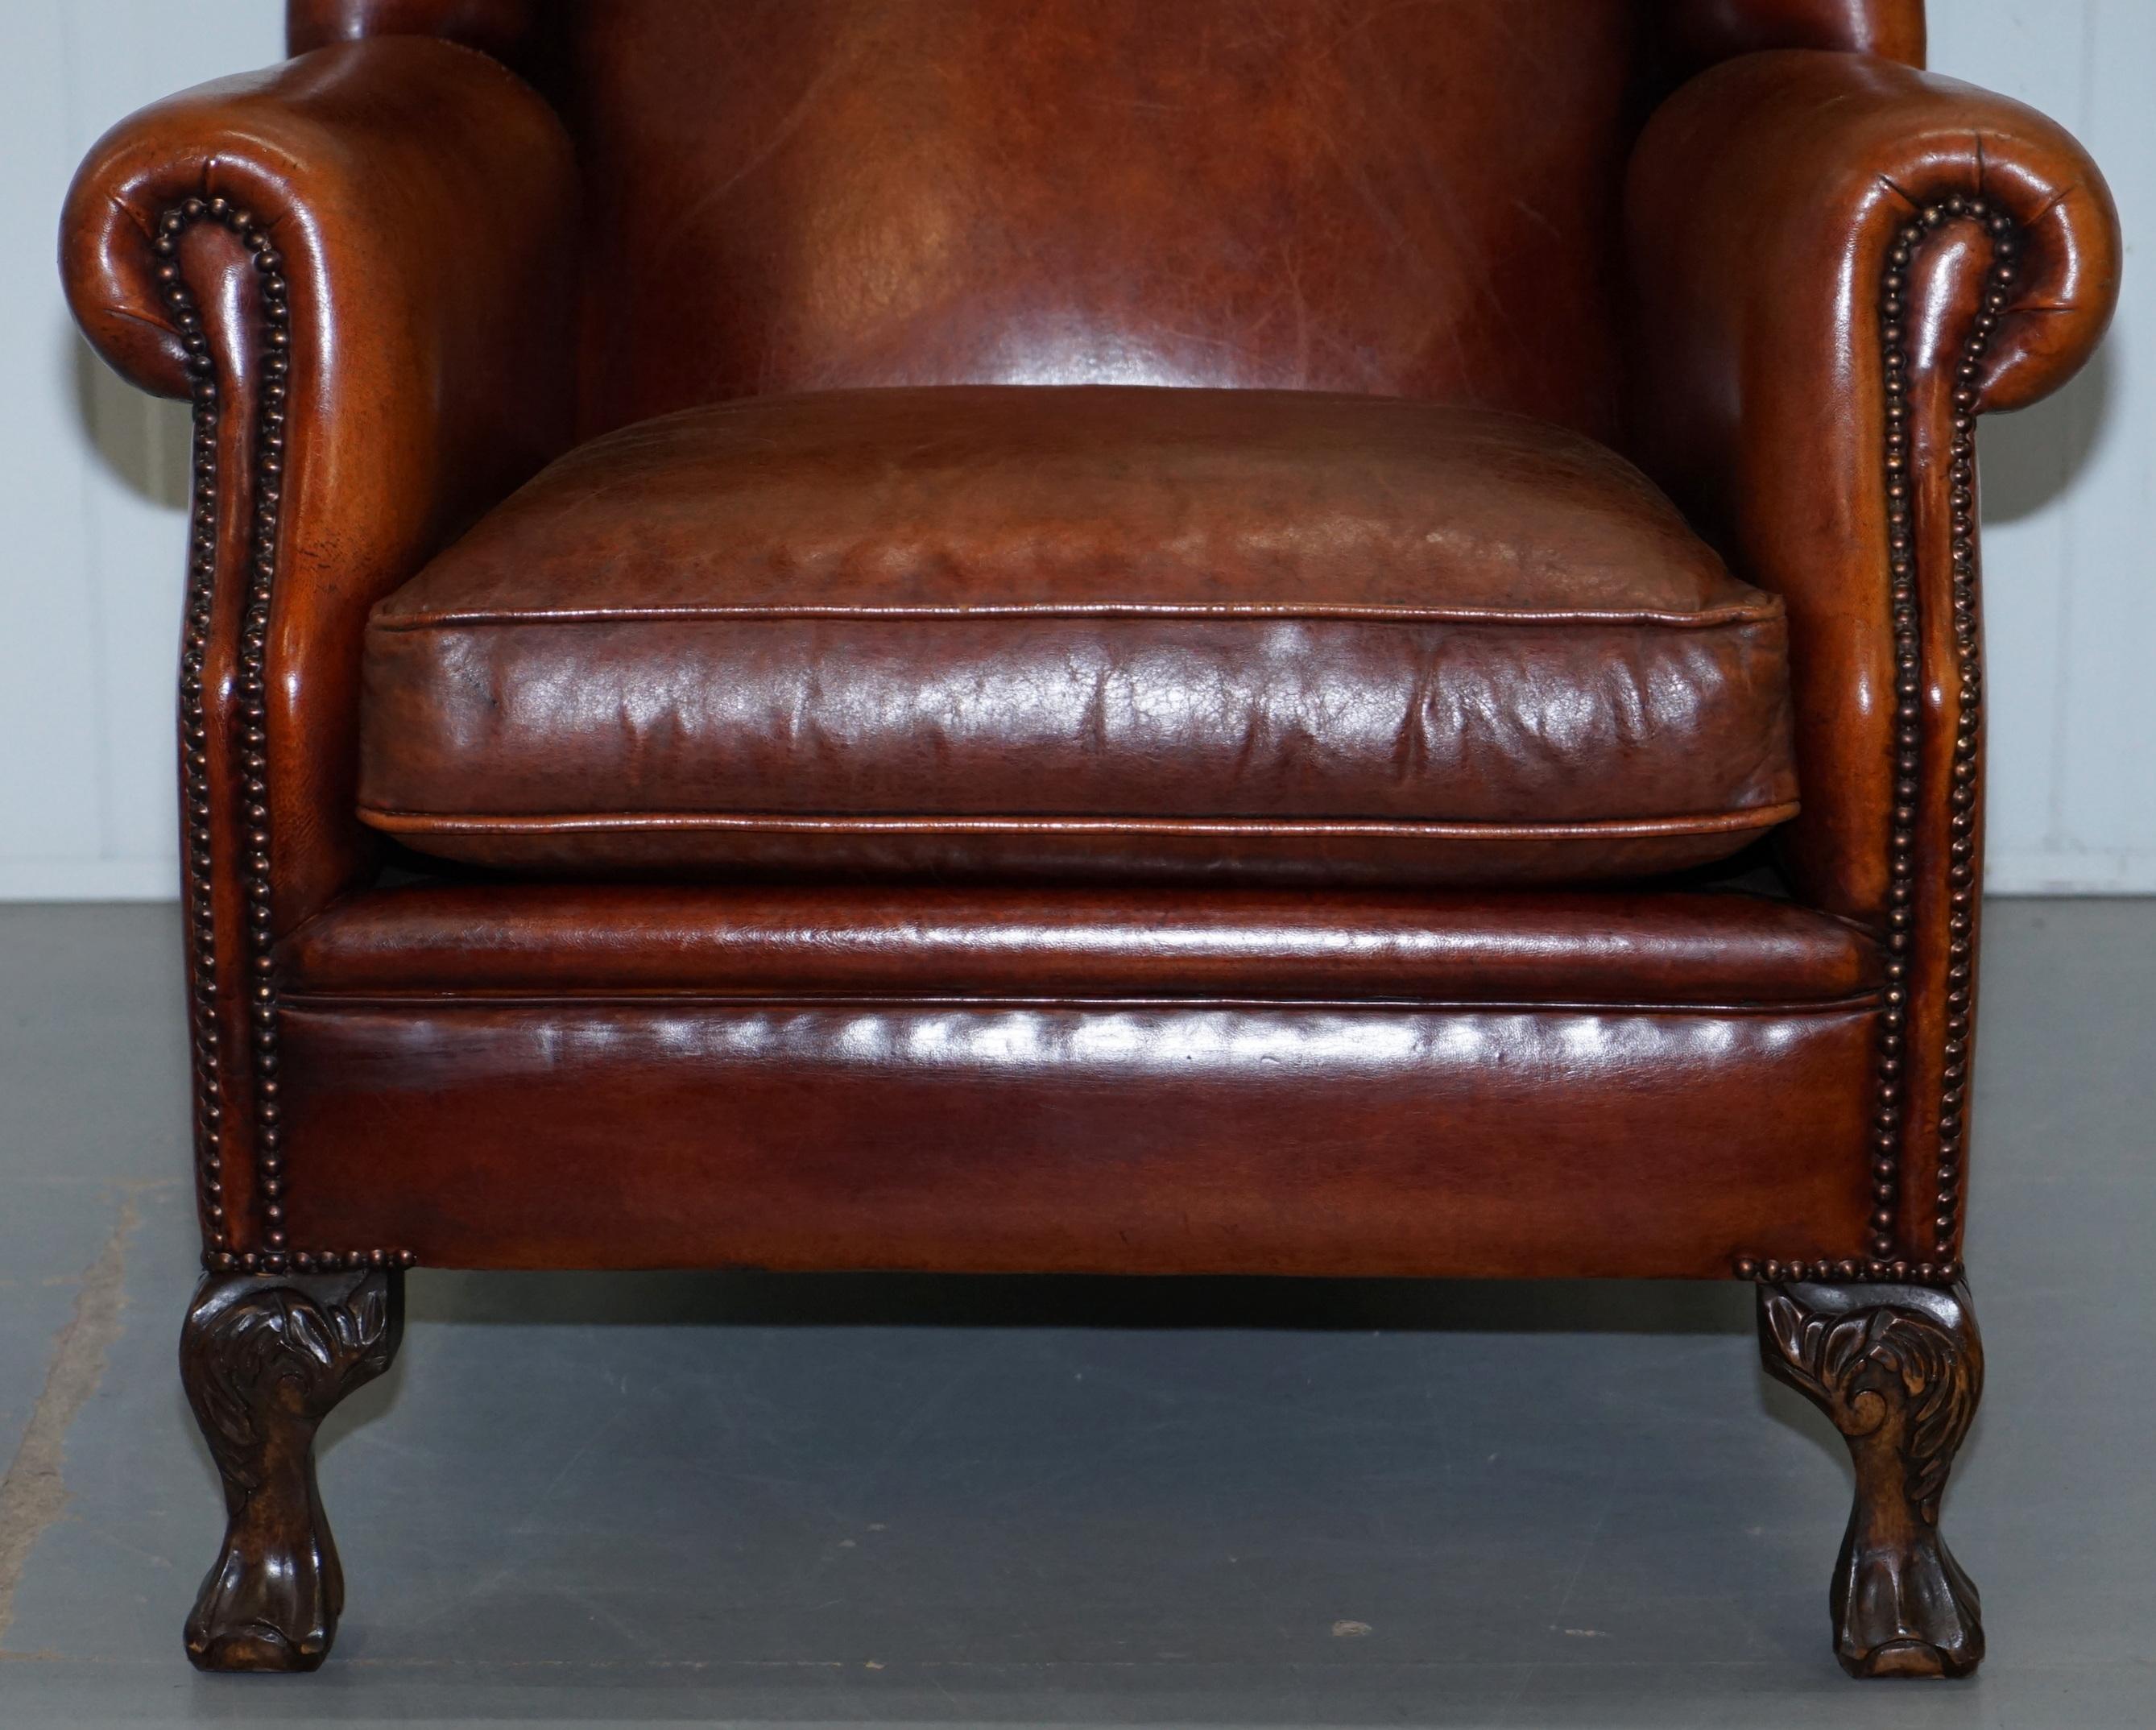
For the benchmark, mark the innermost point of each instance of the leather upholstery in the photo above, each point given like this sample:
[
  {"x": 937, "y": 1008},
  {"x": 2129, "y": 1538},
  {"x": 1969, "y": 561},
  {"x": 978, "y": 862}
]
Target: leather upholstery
[
  {"x": 505, "y": 1076},
  {"x": 1414, "y": 201},
  {"x": 1156, "y": 1137},
  {"x": 423, "y": 204},
  {"x": 1761, "y": 204},
  {"x": 885, "y": 557},
  {"x": 505, "y": 28},
  {"x": 1038, "y": 629},
  {"x": 1316, "y": 194},
  {"x": 1767, "y": 200},
  {"x": 524, "y": 940},
  {"x": 1700, "y": 33}
]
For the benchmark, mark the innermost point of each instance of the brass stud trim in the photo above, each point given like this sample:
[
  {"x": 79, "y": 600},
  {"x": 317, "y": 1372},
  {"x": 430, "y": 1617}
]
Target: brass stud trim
[
  {"x": 247, "y": 819},
  {"x": 1848, "y": 1269}
]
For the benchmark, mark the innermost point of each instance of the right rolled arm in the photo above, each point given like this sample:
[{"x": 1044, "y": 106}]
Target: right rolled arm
[
  {"x": 1838, "y": 264},
  {"x": 1766, "y": 201}
]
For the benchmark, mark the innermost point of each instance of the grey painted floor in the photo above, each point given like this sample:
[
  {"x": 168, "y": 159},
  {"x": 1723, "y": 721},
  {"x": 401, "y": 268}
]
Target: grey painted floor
[{"x": 584, "y": 1499}]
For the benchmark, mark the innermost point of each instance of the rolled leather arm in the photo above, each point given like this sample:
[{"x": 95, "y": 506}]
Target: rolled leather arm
[
  {"x": 1804, "y": 404},
  {"x": 359, "y": 265}
]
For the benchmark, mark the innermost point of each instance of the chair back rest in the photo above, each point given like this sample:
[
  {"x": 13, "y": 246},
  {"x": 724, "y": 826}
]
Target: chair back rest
[{"x": 1412, "y": 198}]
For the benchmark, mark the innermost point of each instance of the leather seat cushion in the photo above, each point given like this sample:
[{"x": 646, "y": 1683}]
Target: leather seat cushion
[{"x": 1087, "y": 630}]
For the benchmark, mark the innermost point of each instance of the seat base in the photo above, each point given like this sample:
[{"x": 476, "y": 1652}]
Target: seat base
[{"x": 1648, "y": 1085}]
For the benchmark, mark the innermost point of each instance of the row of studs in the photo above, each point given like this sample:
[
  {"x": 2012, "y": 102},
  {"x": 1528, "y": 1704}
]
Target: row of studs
[
  {"x": 328, "y": 1261},
  {"x": 1963, "y": 886},
  {"x": 1962, "y": 854},
  {"x": 1943, "y": 1272},
  {"x": 1888, "y": 1121},
  {"x": 197, "y": 891},
  {"x": 261, "y": 995}
]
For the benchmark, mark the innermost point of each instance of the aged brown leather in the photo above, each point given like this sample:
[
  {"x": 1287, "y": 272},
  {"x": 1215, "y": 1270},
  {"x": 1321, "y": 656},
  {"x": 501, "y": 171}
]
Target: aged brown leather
[
  {"x": 1761, "y": 204},
  {"x": 1767, "y": 201},
  {"x": 504, "y": 29},
  {"x": 1699, "y": 33},
  {"x": 535, "y": 36},
  {"x": 530, "y": 37},
  {"x": 398, "y": 281},
  {"x": 419, "y": 204},
  {"x": 980, "y": 1135},
  {"x": 422, "y": 201},
  {"x": 1248, "y": 632},
  {"x": 1005, "y": 1079},
  {"x": 1652, "y": 947},
  {"x": 1320, "y": 194}
]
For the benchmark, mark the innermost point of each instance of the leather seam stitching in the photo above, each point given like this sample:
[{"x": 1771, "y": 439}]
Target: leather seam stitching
[{"x": 1727, "y": 618}]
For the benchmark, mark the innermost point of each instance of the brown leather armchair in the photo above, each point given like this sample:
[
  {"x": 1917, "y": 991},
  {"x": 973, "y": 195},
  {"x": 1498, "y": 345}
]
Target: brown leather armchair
[{"x": 728, "y": 720}]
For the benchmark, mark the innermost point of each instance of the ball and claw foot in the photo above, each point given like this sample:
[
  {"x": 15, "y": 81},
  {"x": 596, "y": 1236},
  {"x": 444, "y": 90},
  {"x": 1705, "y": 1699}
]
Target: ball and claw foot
[
  {"x": 266, "y": 1359},
  {"x": 1898, "y": 1370}
]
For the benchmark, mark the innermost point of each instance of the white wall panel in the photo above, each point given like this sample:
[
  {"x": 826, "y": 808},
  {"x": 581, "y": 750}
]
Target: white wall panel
[
  {"x": 2068, "y": 485},
  {"x": 91, "y": 476}
]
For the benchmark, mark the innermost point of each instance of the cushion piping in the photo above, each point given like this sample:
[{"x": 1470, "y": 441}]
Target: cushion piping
[
  {"x": 1767, "y": 610},
  {"x": 558, "y": 822}
]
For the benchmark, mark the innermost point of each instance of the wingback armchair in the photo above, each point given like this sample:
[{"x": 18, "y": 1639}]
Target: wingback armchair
[{"x": 1234, "y": 637}]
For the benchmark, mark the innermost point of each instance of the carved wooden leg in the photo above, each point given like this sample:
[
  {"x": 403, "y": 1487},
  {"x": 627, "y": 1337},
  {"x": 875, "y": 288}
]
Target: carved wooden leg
[
  {"x": 1898, "y": 1369},
  {"x": 264, "y": 1359}
]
